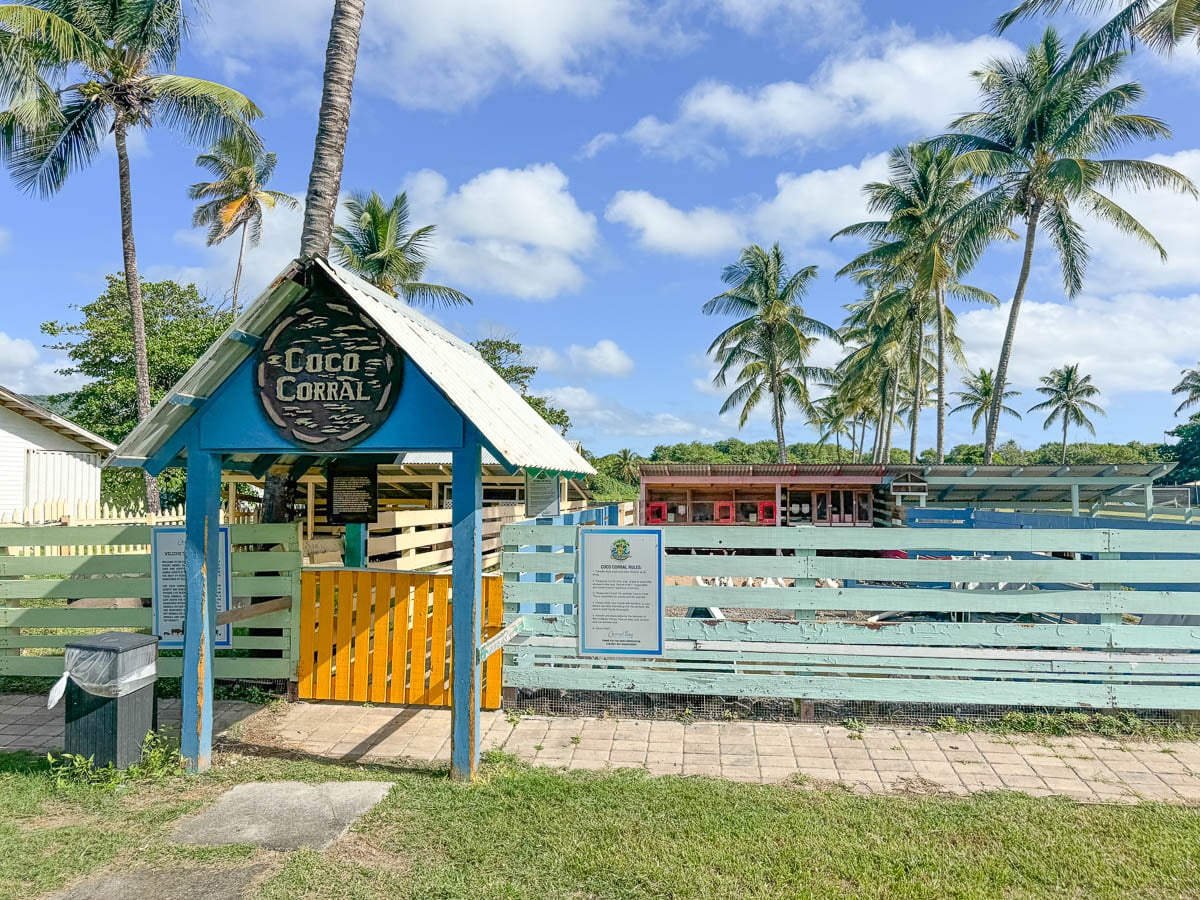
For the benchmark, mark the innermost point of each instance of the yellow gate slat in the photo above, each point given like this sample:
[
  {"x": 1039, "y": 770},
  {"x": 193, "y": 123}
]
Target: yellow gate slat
[
  {"x": 360, "y": 664},
  {"x": 438, "y": 639},
  {"x": 416, "y": 643},
  {"x": 401, "y": 627},
  {"x": 306, "y": 664},
  {"x": 323, "y": 686},
  {"x": 384, "y": 587}
]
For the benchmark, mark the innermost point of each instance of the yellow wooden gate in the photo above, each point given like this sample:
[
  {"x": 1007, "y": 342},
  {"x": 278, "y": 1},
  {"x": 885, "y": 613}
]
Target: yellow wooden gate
[{"x": 385, "y": 637}]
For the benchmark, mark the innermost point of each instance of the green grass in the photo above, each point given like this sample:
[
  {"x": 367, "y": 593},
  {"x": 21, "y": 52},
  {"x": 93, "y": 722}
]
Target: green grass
[
  {"x": 1120, "y": 724},
  {"x": 524, "y": 832}
]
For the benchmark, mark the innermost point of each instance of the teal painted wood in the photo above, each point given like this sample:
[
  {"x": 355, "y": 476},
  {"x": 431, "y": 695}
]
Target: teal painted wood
[
  {"x": 910, "y": 690},
  {"x": 110, "y": 588},
  {"x": 168, "y": 667},
  {"x": 1148, "y": 571},
  {"x": 467, "y": 609},
  {"x": 133, "y": 535},
  {"x": 893, "y": 599},
  {"x": 58, "y": 641},
  {"x": 1167, "y": 637},
  {"x": 244, "y": 562},
  {"x": 961, "y": 540},
  {"x": 61, "y": 617}
]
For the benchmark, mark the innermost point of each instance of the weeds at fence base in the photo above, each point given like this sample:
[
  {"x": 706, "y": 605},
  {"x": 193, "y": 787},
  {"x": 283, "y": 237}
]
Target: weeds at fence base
[
  {"x": 1116, "y": 724},
  {"x": 160, "y": 759}
]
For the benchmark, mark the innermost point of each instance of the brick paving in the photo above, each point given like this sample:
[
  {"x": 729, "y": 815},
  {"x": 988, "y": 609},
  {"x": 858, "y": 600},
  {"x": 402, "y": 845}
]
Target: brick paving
[{"x": 877, "y": 760}]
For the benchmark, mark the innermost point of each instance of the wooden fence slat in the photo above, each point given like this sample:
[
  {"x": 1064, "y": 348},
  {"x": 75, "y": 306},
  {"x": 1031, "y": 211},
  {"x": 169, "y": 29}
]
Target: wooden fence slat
[
  {"x": 418, "y": 669},
  {"x": 493, "y": 599},
  {"x": 439, "y": 638},
  {"x": 323, "y": 677},
  {"x": 401, "y": 626},
  {"x": 305, "y": 665},
  {"x": 360, "y": 664},
  {"x": 382, "y": 588}
]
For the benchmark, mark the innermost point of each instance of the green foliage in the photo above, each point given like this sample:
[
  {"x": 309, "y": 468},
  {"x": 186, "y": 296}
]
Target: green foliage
[
  {"x": 180, "y": 326},
  {"x": 1186, "y": 452},
  {"x": 160, "y": 759},
  {"x": 1082, "y": 454},
  {"x": 1117, "y": 724},
  {"x": 506, "y": 356}
]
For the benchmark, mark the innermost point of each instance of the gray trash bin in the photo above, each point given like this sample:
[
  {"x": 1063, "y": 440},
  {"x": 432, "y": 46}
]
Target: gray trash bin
[{"x": 110, "y": 695}]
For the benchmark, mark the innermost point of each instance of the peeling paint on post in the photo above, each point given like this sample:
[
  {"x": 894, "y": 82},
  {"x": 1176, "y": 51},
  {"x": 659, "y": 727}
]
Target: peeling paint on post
[
  {"x": 466, "y": 609},
  {"x": 202, "y": 543}
]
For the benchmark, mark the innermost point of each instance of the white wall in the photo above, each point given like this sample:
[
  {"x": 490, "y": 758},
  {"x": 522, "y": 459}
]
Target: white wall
[{"x": 73, "y": 470}]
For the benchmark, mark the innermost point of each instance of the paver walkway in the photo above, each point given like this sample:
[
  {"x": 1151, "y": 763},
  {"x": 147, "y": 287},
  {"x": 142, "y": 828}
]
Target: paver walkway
[{"x": 877, "y": 760}]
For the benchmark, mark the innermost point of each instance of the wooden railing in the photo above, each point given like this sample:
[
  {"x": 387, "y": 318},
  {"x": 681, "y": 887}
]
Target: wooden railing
[
  {"x": 50, "y": 594},
  {"x": 385, "y": 637},
  {"x": 1061, "y": 633}
]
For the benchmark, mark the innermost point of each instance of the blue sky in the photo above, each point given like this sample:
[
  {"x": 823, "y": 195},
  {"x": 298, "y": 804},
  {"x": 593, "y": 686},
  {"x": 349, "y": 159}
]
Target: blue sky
[{"x": 592, "y": 166}]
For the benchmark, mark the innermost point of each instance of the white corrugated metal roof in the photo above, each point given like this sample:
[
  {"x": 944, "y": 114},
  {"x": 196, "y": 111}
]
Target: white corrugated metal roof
[
  {"x": 21, "y": 404},
  {"x": 513, "y": 429}
]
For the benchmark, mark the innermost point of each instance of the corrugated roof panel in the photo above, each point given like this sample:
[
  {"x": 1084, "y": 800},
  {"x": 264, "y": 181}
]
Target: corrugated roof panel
[{"x": 510, "y": 425}]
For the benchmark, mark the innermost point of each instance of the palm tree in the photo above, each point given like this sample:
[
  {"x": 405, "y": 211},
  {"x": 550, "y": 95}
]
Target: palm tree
[
  {"x": 376, "y": 244},
  {"x": 115, "y": 63},
  {"x": 333, "y": 126},
  {"x": 1189, "y": 386},
  {"x": 235, "y": 200},
  {"x": 627, "y": 466},
  {"x": 833, "y": 420},
  {"x": 1068, "y": 394},
  {"x": 767, "y": 349},
  {"x": 1047, "y": 120},
  {"x": 1162, "y": 25},
  {"x": 977, "y": 398},
  {"x": 933, "y": 235}
]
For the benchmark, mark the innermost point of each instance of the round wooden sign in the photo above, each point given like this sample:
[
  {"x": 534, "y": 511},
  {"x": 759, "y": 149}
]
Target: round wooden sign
[{"x": 327, "y": 375}]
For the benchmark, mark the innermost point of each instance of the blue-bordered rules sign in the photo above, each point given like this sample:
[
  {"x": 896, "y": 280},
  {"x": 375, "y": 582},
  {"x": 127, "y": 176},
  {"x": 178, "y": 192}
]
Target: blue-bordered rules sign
[{"x": 621, "y": 607}]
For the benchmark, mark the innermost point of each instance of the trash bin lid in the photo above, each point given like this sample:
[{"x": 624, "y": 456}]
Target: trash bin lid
[{"x": 113, "y": 641}]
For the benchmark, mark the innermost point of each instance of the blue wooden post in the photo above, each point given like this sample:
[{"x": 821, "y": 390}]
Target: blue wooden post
[
  {"x": 467, "y": 481},
  {"x": 202, "y": 550},
  {"x": 355, "y": 552}
]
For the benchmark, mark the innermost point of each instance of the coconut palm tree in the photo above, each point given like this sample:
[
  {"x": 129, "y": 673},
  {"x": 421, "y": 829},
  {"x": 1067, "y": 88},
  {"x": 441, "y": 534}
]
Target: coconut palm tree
[
  {"x": 767, "y": 349},
  {"x": 1189, "y": 387},
  {"x": 333, "y": 126},
  {"x": 977, "y": 398},
  {"x": 933, "y": 235},
  {"x": 1068, "y": 396},
  {"x": 1161, "y": 25},
  {"x": 627, "y": 466},
  {"x": 376, "y": 244},
  {"x": 833, "y": 421},
  {"x": 235, "y": 200},
  {"x": 74, "y": 71},
  {"x": 1040, "y": 141}
]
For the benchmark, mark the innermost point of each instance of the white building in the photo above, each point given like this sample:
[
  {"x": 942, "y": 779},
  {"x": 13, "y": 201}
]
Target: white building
[{"x": 45, "y": 458}]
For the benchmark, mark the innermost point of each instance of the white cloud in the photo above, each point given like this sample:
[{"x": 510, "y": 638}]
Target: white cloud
[
  {"x": 661, "y": 227},
  {"x": 605, "y": 358},
  {"x": 24, "y": 370},
  {"x": 596, "y": 144},
  {"x": 1120, "y": 263},
  {"x": 591, "y": 416},
  {"x": 893, "y": 81},
  {"x": 454, "y": 52},
  {"x": 1132, "y": 343},
  {"x": 815, "y": 16},
  {"x": 806, "y": 209},
  {"x": 515, "y": 231}
]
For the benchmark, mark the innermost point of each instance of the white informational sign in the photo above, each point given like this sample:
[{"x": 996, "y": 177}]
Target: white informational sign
[
  {"x": 621, "y": 609},
  {"x": 541, "y": 497},
  {"x": 170, "y": 586}
]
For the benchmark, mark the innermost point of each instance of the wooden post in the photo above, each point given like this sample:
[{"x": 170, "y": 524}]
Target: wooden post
[
  {"x": 356, "y": 546},
  {"x": 1075, "y": 500},
  {"x": 202, "y": 550},
  {"x": 466, "y": 607},
  {"x": 310, "y": 509}
]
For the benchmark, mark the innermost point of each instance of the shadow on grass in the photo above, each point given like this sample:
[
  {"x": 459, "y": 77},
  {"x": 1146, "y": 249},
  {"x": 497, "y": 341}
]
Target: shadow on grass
[{"x": 22, "y": 762}]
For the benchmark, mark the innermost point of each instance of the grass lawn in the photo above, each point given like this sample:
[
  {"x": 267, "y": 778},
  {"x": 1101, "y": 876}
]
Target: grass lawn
[{"x": 525, "y": 832}]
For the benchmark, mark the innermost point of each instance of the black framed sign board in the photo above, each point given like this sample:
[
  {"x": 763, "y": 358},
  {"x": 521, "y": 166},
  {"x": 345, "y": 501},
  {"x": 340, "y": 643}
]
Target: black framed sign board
[{"x": 351, "y": 493}]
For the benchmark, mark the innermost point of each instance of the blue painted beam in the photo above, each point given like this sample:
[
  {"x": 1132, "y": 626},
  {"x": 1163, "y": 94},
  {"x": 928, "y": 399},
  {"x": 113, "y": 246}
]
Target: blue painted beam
[
  {"x": 467, "y": 600},
  {"x": 202, "y": 550}
]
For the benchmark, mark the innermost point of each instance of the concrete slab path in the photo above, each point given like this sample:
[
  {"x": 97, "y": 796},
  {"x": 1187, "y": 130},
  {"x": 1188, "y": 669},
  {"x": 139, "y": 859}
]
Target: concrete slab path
[{"x": 876, "y": 760}]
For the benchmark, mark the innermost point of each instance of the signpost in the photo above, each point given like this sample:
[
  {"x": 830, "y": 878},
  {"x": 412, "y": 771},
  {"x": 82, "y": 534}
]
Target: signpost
[
  {"x": 352, "y": 493},
  {"x": 170, "y": 587},
  {"x": 621, "y": 607},
  {"x": 542, "y": 498},
  {"x": 327, "y": 376}
]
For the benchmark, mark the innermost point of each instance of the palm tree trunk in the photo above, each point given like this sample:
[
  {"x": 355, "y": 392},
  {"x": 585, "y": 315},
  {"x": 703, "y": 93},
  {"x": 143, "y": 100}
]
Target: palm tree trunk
[
  {"x": 915, "y": 419},
  {"x": 877, "y": 454},
  {"x": 133, "y": 287},
  {"x": 1064, "y": 453},
  {"x": 1010, "y": 333},
  {"x": 778, "y": 417},
  {"x": 333, "y": 125},
  {"x": 891, "y": 419},
  {"x": 941, "y": 374},
  {"x": 237, "y": 276}
]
